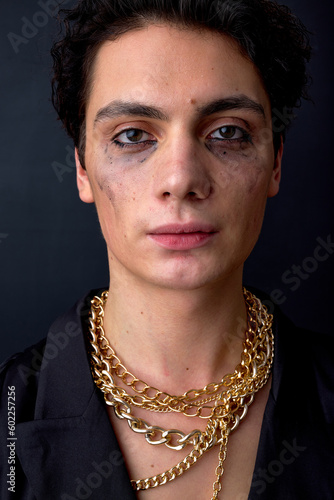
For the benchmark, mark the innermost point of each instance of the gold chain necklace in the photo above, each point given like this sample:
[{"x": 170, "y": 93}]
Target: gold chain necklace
[{"x": 230, "y": 407}]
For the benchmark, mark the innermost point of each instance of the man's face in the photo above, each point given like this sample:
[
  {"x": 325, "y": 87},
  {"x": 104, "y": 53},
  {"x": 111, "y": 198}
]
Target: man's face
[{"x": 179, "y": 156}]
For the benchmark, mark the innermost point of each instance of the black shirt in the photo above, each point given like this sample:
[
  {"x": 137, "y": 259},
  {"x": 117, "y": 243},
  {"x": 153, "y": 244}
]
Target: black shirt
[{"x": 64, "y": 447}]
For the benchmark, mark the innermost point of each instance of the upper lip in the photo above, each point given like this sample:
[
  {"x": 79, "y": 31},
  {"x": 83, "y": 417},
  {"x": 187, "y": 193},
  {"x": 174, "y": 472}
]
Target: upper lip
[{"x": 190, "y": 227}]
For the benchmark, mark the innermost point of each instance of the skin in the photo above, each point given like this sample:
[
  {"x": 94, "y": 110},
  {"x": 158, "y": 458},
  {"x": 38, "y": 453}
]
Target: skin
[
  {"x": 181, "y": 168},
  {"x": 231, "y": 182},
  {"x": 178, "y": 171},
  {"x": 183, "y": 163}
]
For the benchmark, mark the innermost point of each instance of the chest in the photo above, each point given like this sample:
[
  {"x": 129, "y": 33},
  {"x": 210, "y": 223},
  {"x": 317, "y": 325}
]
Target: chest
[{"x": 143, "y": 460}]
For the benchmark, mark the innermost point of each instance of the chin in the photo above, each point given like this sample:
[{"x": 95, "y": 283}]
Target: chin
[{"x": 189, "y": 278}]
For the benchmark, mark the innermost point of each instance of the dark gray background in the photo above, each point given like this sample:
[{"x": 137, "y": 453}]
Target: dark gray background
[{"x": 51, "y": 249}]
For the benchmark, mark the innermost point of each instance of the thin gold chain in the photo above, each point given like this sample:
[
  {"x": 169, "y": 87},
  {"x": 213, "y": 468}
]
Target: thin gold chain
[
  {"x": 230, "y": 405},
  {"x": 220, "y": 467},
  {"x": 188, "y": 402},
  {"x": 142, "y": 402}
]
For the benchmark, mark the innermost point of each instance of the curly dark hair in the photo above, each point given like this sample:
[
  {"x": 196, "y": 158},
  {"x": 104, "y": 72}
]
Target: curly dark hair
[{"x": 269, "y": 34}]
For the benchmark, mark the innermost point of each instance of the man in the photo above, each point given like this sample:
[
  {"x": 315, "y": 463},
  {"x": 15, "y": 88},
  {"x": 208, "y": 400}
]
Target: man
[{"x": 170, "y": 108}]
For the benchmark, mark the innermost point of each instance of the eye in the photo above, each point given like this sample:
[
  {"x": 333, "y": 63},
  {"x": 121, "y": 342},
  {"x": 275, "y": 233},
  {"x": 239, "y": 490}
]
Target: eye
[
  {"x": 229, "y": 133},
  {"x": 133, "y": 136}
]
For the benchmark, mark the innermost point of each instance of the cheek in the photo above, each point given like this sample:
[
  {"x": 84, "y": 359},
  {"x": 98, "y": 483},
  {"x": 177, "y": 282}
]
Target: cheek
[
  {"x": 243, "y": 190},
  {"x": 119, "y": 177},
  {"x": 245, "y": 174}
]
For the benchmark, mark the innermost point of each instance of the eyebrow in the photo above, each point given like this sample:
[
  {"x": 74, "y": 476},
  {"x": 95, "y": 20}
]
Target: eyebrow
[
  {"x": 230, "y": 103},
  {"x": 115, "y": 109},
  {"x": 118, "y": 108}
]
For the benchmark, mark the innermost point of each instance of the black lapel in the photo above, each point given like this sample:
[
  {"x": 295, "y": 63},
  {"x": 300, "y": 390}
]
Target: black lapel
[
  {"x": 293, "y": 455},
  {"x": 69, "y": 451}
]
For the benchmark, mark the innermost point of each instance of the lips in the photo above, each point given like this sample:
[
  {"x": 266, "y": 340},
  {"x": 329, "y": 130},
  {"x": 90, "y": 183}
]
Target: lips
[{"x": 183, "y": 236}]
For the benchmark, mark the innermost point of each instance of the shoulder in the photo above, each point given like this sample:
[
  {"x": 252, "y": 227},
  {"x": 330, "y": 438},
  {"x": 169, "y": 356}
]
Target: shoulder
[
  {"x": 48, "y": 359},
  {"x": 20, "y": 374},
  {"x": 295, "y": 341},
  {"x": 313, "y": 349},
  {"x": 304, "y": 370}
]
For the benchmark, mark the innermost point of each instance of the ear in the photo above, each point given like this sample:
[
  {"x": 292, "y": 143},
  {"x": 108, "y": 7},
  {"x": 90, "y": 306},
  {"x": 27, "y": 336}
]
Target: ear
[
  {"x": 83, "y": 182},
  {"x": 276, "y": 173}
]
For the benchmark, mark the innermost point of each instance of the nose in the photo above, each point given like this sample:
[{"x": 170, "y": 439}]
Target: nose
[{"x": 182, "y": 172}]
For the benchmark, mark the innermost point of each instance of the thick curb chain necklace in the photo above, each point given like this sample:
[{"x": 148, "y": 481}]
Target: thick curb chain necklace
[{"x": 230, "y": 397}]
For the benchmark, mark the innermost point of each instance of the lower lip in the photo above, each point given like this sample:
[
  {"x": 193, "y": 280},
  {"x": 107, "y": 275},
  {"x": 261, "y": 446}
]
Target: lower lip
[{"x": 182, "y": 241}]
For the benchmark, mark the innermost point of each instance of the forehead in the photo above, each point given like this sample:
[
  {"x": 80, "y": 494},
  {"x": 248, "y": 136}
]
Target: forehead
[{"x": 172, "y": 67}]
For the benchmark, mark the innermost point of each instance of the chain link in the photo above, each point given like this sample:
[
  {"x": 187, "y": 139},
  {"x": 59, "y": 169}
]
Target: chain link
[
  {"x": 220, "y": 467},
  {"x": 231, "y": 396},
  {"x": 152, "y": 398}
]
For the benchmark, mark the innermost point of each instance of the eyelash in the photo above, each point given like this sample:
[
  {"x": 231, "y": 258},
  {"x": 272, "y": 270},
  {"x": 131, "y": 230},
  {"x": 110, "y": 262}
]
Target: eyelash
[
  {"x": 245, "y": 137},
  {"x": 129, "y": 144}
]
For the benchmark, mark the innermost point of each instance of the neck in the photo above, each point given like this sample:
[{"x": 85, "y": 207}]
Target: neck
[{"x": 176, "y": 339}]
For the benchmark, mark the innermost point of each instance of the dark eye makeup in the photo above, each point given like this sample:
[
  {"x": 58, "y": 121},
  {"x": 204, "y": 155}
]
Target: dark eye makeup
[{"x": 138, "y": 139}]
